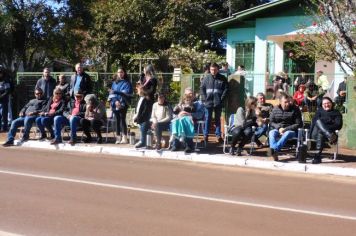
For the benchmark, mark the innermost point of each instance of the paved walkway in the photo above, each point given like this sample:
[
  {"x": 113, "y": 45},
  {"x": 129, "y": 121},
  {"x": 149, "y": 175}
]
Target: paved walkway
[{"x": 345, "y": 165}]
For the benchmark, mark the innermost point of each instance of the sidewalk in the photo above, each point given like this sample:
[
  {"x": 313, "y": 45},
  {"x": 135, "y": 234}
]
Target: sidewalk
[{"x": 345, "y": 165}]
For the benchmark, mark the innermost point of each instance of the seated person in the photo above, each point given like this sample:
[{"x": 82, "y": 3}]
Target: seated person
[
  {"x": 183, "y": 126},
  {"x": 299, "y": 95},
  {"x": 263, "y": 111},
  {"x": 285, "y": 119},
  {"x": 72, "y": 115},
  {"x": 199, "y": 109},
  {"x": 95, "y": 117},
  {"x": 27, "y": 116},
  {"x": 241, "y": 131},
  {"x": 311, "y": 95},
  {"x": 55, "y": 107},
  {"x": 341, "y": 93},
  {"x": 325, "y": 122},
  {"x": 161, "y": 118}
]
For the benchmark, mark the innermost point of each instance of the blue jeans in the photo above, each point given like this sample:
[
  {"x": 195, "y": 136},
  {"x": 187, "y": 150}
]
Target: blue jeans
[
  {"x": 60, "y": 121},
  {"x": 160, "y": 127},
  {"x": 25, "y": 121},
  {"x": 4, "y": 109},
  {"x": 262, "y": 130},
  {"x": 143, "y": 130},
  {"x": 208, "y": 116},
  {"x": 276, "y": 141},
  {"x": 45, "y": 122}
]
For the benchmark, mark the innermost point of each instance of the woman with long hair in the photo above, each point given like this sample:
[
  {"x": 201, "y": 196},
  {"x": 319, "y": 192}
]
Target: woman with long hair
[
  {"x": 241, "y": 130},
  {"x": 120, "y": 96}
]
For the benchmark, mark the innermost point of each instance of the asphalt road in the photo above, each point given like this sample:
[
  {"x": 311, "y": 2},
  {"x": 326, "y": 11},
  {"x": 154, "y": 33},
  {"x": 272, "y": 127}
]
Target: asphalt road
[{"x": 62, "y": 193}]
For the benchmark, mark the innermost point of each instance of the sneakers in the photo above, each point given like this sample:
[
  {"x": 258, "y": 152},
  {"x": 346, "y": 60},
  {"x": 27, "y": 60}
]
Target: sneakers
[
  {"x": 23, "y": 139},
  {"x": 272, "y": 153},
  {"x": 124, "y": 140},
  {"x": 139, "y": 145},
  {"x": 8, "y": 143},
  {"x": 118, "y": 139}
]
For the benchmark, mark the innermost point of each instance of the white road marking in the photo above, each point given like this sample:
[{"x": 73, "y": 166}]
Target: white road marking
[
  {"x": 183, "y": 195},
  {"x": 3, "y": 233}
]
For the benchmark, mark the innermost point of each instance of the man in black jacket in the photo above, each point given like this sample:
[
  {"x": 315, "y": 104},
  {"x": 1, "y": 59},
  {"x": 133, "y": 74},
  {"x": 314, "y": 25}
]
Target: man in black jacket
[
  {"x": 285, "y": 119},
  {"x": 213, "y": 90},
  {"x": 27, "y": 116},
  {"x": 80, "y": 81},
  {"x": 46, "y": 83}
]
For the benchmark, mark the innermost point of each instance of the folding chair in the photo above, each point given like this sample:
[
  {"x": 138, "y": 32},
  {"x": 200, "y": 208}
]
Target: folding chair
[
  {"x": 110, "y": 124},
  {"x": 227, "y": 135},
  {"x": 199, "y": 132}
]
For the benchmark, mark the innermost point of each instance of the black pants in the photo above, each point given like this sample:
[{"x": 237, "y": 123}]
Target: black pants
[
  {"x": 94, "y": 124},
  {"x": 121, "y": 126},
  {"x": 241, "y": 134}
]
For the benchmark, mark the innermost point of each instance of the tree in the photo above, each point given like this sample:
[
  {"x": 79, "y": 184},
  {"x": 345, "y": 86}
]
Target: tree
[{"x": 332, "y": 35}]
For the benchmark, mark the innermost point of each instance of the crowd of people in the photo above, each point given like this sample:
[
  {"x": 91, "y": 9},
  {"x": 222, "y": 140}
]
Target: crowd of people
[{"x": 72, "y": 104}]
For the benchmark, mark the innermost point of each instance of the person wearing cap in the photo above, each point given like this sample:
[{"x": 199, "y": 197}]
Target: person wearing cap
[
  {"x": 55, "y": 107},
  {"x": 5, "y": 88},
  {"x": 161, "y": 117},
  {"x": 213, "y": 91},
  {"x": 80, "y": 81},
  {"x": 324, "y": 124},
  {"x": 27, "y": 117},
  {"x": 299, "y": 95},
  {"x": 47, "y": 83},
  {"x": 72, "y": 115}
]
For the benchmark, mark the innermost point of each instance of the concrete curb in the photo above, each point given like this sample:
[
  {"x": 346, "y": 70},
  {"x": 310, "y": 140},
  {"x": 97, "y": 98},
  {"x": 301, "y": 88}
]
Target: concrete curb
[{"x": 219, "y": 159}]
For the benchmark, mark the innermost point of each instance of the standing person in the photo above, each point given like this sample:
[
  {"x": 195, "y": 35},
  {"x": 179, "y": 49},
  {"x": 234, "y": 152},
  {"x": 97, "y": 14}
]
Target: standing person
[
  {"x": 213, "y": 91},
  {"x": 285, "y": 119},
  {"x": 325, "y": 122},
  {"x": 263, "y": 111},
  {"x": 27, "y": 116},
  {"x": 146, "y": 90},
  {"x": 120, "y": 97},
  {"x": 5, "y": 88},
  {"x": 302, "y": 79},
  {"x": 245, "y": 118},
  {"x": 240, "y": 70},
  {"x": 95, "y": 117},
  {"x": 161, "y": 118},
  {"x": 80, "y": 81},
  {"x": 341, "y": 93},
  {"x": 63, "y": 85},
  {"x": 55, "y": 107},
  {"x": 323, "y": 84},
  {"x": 72, "y": 115},
  {"x": 47, "y": 83}
]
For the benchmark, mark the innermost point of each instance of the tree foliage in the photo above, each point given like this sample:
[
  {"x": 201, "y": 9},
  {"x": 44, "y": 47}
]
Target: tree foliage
[{"x": 332, "y": 35}]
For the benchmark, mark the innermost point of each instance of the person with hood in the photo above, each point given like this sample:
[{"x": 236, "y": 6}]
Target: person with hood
[
  {"x": 46, "y": 83},
  {"x": 325, "y": 122},
  {"x": 120, "y": 96},
  {"x": 213, "y": 90},
  {"x": 55, "y": 107},
  {"x": 95, "y": 117},
  {"x": 27, "y": 117}
]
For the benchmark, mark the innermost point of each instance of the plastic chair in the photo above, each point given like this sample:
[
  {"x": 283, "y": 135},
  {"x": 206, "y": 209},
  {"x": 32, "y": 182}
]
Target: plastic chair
[{"x": 227, "y": 135}]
